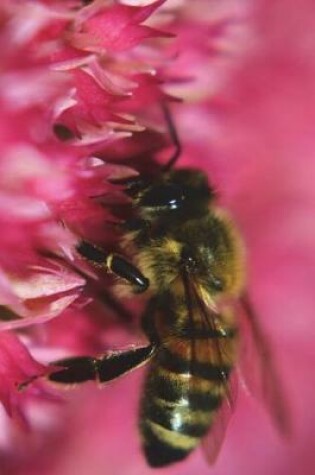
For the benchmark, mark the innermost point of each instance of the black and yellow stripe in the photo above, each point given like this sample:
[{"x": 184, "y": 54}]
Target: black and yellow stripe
[{"x": 181, "y": 397}]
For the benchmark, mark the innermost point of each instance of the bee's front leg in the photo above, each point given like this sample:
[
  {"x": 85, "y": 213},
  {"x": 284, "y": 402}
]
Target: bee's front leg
[
  {"x": 115, "y": 263},
  {"x": 107, "y": 367}
]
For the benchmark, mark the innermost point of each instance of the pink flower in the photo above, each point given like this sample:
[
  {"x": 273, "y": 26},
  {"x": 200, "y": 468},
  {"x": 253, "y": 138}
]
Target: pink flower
[
  {"x": 81, "y": 91},
  {"x": 17, "y": 366}
]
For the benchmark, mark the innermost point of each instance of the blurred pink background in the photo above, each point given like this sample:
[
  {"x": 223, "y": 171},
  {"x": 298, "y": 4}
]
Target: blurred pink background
[{"x": 249, "y": 120}]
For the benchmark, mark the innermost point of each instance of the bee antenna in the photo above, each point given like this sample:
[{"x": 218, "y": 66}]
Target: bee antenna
[{"x": 174, "y": 137}]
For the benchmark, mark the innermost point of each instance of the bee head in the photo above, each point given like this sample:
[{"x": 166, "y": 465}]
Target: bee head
[{"x": 181, "y": 193}]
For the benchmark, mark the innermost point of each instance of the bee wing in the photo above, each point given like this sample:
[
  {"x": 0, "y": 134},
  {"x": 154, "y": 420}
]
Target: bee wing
[
  {"x": 212, "y": 442},
  {"x": 257, "y": 368}
]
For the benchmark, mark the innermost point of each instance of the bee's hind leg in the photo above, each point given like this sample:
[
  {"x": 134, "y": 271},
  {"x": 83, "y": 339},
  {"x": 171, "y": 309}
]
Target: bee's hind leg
[{"x": 107, "y": 367}]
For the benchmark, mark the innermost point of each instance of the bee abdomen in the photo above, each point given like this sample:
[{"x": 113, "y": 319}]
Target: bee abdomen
[
  {"x": 181, "y": 398},
  {"x": 177, "y": 364},
  {"x": 163, "y": 446}
]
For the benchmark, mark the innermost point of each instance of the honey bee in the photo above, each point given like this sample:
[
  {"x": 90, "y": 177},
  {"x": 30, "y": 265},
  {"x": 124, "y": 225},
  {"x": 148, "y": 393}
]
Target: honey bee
[{"x": 189, "y": 259}]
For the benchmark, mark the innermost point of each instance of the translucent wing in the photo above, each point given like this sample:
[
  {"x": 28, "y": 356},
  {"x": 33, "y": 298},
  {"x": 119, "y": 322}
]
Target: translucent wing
[
  {"x": 220, "y": 344},
  {"x": 257, "y": 368},
  {"x": 212, "y": 442}
]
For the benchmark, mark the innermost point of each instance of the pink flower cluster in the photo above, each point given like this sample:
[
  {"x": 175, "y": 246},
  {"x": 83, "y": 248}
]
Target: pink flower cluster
[{"x": 81, "y": 86}]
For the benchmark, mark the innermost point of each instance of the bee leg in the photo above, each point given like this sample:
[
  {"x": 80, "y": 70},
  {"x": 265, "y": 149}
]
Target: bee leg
[
  {"x": 174, "y": 137},
  {"x": 107, "y": 367},
  {"x": 114, "y": 263}
]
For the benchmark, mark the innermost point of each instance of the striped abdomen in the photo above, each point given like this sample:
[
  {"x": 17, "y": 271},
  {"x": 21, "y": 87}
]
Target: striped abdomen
[{"x": 184, "y": 388}]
